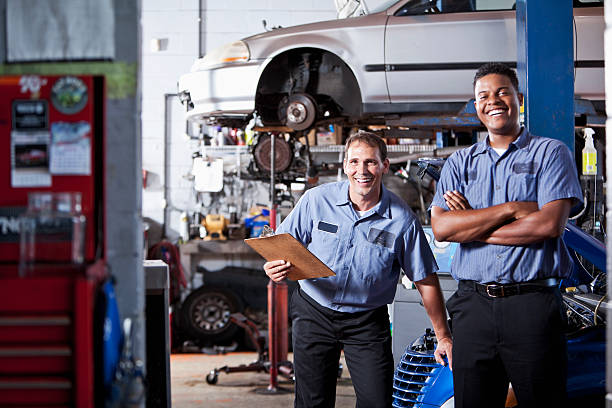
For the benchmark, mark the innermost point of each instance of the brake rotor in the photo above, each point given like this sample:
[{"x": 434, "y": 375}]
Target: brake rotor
[
  {"x": 298, "y": 111},
  {"x": 282, "y": 154}
]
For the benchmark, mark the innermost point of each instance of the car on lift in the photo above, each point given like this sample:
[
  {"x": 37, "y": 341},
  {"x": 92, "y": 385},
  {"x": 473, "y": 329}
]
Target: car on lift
[{"x": 407, "y": 56}]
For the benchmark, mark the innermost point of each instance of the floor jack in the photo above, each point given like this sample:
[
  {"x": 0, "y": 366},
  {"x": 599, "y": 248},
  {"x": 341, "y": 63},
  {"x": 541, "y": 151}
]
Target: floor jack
[{"x": 262, "y": 364}]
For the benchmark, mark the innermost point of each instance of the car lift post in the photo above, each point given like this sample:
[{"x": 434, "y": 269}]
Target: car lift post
[
  {"x": 277, "y": 301},
  {"x": 545, "y": 67}
]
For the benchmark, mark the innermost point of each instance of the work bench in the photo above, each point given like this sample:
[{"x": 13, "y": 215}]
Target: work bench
[{"x": 215, "y": 256}]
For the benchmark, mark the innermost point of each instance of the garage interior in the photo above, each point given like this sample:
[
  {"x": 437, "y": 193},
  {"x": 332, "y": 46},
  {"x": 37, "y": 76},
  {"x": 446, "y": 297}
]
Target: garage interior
[{"x": 125, "y": 279}]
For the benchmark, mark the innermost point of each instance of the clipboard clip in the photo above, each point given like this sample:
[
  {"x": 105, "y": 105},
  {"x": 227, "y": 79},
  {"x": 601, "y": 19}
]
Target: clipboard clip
[{"x": 266, "y": 231}]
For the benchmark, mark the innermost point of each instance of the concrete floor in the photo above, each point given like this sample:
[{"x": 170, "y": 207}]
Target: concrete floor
[{"x": 189, "y": 387}]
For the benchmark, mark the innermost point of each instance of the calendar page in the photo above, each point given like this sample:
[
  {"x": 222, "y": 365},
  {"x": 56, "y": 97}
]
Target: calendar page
[
  {"x": 70, "y": 151},
  {"x": 30, "y": 159}
]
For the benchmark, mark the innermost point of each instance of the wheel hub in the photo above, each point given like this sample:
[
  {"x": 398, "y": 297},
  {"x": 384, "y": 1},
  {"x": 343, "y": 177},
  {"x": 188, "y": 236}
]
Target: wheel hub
[
  {"x": 212, "y": 313},
  {"x": 296, "y": 112}
]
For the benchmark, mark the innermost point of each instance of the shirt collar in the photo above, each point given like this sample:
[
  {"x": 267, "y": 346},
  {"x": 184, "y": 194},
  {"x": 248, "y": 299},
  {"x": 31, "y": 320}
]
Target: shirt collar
[
  {"x": 481, "y": 147},
  {"x": 382, "y": 208},
  {"x": 343, "y": 197},
  {"x": 522, "y": 141}
]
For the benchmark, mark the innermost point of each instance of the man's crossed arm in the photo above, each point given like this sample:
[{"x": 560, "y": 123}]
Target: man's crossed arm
[{"x": 511, "y": 223}]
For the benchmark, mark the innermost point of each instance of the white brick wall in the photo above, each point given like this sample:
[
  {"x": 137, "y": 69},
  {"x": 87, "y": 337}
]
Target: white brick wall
[{"x": 177, "y": 23}]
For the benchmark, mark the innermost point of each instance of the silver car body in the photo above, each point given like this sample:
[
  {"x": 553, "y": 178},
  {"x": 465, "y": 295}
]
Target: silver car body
[{"x": 373, "y": 45}]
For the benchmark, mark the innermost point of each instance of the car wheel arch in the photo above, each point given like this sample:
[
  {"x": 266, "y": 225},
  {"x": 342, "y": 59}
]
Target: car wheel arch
[{"x": 280, "y": 69}]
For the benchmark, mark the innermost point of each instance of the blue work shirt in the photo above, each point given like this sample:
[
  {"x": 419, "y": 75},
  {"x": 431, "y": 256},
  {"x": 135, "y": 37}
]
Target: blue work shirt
[
  {"x": 532, "y": 169},
  {"x": 365, "y": 253}
]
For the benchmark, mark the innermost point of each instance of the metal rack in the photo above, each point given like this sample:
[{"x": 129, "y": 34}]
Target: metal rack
[{"x": 402, "y": 148}]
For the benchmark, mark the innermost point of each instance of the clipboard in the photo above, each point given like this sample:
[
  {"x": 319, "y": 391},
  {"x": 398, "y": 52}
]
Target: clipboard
[{"x": 304, "y": 264}]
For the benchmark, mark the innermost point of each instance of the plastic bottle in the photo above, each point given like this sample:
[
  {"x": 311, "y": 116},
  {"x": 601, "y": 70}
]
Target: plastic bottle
[
  {"x": 589, "y": 154},
  {"x": 184, "y": 227}
]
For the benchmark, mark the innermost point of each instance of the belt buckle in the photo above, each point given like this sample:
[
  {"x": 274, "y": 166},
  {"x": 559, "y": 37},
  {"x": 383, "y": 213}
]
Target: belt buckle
[{"x": 489, "y": 287}]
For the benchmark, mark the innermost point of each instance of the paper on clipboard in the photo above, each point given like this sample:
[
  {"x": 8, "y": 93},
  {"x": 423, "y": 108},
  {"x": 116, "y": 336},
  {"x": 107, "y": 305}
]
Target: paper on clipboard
[{"x": 283, "y": 246}]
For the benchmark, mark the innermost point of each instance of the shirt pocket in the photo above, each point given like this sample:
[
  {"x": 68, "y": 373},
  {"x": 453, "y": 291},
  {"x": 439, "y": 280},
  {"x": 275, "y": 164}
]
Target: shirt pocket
[
  {"x": 523, "y": 187},
  {"x": 376, "y": 262},
  {"x": 324, "y": 246},
  {"x": 475, "y": 194}
]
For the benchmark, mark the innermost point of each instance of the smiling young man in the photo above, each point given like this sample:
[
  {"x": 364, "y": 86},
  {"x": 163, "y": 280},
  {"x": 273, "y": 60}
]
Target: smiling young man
[
  {"x": 365, "y": 234},
  {"x": 506, "y": 200}
]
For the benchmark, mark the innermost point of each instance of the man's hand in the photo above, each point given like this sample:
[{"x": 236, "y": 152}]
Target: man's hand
[
  {"x": 456, "y": 201},
  {"x": 444, "y": 348},
  {"x": 277, "y": 270},
  {"x": 430, "y": 291}
]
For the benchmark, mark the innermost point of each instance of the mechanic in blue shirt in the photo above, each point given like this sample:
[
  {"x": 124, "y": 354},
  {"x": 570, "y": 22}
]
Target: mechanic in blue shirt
[
  {"x": 365, "y": 234},
  {"x": 506, "y": 200}
]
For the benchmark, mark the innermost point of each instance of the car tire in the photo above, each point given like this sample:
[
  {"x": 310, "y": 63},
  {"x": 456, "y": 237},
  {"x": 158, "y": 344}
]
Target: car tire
[
  {"x": 206, "y": 314},
  {"x": 298, "y": 111}
]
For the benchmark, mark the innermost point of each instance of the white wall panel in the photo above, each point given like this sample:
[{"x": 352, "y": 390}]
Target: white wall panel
[
  {"x": 238, "y": 5},
  {"x": 225, "y": 21},
  {"x": 188, "y": 4},
  {"x": 53, "y": 30},
  {"x": 298, "y": 5},
  {"x": 304, "y": 17}
]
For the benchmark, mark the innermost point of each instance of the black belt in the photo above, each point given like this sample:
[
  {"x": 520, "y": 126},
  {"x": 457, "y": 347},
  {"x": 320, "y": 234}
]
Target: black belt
[{"x": 496, "y": 290}]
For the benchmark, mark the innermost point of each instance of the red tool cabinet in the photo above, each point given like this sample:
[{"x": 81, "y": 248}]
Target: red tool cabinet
[{"x": 51, "y": 140}]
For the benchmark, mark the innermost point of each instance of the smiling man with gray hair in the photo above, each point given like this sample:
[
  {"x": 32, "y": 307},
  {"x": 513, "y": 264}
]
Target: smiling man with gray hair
[{"x": 365, "y": 234}]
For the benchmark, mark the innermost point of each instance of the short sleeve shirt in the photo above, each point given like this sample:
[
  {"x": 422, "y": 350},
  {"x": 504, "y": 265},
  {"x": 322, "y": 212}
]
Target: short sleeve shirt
[
  {"x": 365, "y": 252},
  {"x": 532, "y": 169}
]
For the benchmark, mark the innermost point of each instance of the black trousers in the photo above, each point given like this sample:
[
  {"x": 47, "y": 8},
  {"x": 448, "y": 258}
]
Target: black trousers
[
  {"x": 319, "y": 334},
  {"x": 518, "y": 339}
]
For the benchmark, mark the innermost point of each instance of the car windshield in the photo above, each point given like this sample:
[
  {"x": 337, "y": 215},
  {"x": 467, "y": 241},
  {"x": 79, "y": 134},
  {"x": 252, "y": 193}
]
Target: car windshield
[{"x": 383, "y": 6}]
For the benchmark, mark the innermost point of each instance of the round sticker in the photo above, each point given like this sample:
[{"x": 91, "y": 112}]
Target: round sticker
[{"x": 69, "y": 95}]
